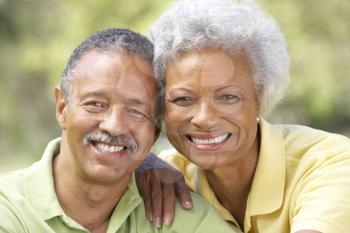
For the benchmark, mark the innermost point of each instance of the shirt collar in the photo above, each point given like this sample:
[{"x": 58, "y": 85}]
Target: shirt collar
[
  {"x": 127, "y": 203},
  {"x": 41, "y": 191},
  {"x": 267, "y": 191},
  {"x": 40, "y": 185}
]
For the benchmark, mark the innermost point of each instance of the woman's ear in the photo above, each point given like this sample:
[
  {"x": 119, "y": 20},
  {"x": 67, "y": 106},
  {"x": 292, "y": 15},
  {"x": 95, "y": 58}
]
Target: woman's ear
[{"x": 60, "y": 107}]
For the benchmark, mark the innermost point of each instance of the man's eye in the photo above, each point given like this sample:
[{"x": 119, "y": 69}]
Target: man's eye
[
  {"x": 228, "y": 98},
  {"x": 183, "y": 100},
  {"x": 136, "y": 113},
  {"x": 94, "y": 106}
]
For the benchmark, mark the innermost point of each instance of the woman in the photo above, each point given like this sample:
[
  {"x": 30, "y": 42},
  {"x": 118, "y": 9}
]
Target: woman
[{"x": 224, "y": 67}]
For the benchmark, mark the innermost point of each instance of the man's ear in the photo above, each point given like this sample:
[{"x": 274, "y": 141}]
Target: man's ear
[{"x": 60, "y": 107}]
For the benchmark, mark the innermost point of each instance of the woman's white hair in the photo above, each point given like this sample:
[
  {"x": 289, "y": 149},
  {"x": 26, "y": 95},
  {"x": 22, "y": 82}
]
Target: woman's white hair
[{"x": 234, "y": 27}]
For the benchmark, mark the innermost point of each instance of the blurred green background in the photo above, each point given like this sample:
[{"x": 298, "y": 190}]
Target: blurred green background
[{"x": 37, "y": 37}]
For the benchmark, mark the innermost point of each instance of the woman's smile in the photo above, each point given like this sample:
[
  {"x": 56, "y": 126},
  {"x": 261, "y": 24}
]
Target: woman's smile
[{"x": 208, "y": 142}]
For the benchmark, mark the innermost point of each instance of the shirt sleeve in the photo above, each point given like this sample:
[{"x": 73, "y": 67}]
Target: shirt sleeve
[
  {"x": 323, "y": 201},
  {"x": 9, "y": 221}
]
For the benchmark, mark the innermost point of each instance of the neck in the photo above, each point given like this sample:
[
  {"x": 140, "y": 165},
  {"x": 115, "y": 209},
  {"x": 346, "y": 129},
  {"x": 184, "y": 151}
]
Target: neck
[
  {"x": 77, "y": 196},
  {"x": 232, "y": 183}
]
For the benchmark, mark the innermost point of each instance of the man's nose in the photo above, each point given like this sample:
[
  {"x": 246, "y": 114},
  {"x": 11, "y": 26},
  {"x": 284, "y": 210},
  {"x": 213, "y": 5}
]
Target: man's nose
[
  {"x": 114, "y": 122},
  {"x": 205, "y": 116}
]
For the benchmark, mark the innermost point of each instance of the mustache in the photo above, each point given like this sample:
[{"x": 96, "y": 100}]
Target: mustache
[{"x": 129, "y": 143}]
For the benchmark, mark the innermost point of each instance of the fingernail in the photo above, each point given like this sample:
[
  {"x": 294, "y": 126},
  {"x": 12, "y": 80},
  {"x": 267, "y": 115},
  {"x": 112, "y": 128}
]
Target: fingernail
[
  {"x": 150, "y": 217},
  {"x": 188, "y": 205},
  {"x": 167, "y": 220},
  {"x": 158, "y": 222}
]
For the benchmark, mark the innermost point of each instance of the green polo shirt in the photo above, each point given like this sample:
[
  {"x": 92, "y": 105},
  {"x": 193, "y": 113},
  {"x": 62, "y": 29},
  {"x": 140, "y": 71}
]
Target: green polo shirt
[{"x": 28, "y": 203}]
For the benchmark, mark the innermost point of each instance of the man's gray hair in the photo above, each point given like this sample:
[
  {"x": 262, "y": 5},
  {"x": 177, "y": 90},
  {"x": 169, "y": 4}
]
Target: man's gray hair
[
  {"x": 234, "y": 27},
  {"x": 109, "y": 40}
]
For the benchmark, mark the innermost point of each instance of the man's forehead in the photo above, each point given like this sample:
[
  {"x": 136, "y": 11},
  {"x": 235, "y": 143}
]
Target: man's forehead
[
  {"x": 115, "y": 74},
  {"x": 121, "y": 57},
  {"x": 127, "y": 85}
]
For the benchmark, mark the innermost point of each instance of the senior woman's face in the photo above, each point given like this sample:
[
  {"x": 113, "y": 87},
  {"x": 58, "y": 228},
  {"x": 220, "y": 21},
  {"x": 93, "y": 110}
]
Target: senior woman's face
[{"x": 211, "y": 107}]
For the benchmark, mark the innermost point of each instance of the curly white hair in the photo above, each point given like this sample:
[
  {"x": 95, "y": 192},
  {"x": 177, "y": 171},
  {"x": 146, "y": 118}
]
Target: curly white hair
[{"x": 232, "y": 26}]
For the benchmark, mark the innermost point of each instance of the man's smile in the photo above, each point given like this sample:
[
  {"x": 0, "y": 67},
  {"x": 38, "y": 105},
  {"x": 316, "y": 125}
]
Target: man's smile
[
  {"x": 105, "y": 143},
  {"x": 109, "y": 148}
]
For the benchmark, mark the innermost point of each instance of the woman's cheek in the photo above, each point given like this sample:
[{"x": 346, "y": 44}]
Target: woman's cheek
[{"x": 175, "y": 115}]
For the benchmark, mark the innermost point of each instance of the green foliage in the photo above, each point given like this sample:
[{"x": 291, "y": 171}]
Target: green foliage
[
  {"x": 37, "y": 37},
  {"x": 36, "y": 40},
  {"x": 318, "y": 38}
]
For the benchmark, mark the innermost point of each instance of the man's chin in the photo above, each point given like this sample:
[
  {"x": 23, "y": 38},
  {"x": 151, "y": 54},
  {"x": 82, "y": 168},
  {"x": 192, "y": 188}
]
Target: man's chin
[{"x": 107, "y": 176}]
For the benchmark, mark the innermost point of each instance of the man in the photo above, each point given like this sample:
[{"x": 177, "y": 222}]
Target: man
[{"x": 107, "y": 108}]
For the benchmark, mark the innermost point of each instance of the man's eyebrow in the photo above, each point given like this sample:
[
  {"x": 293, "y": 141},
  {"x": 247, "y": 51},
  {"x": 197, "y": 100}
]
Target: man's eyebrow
[
  {"x": 129, "y": 98},
  {"x": 93, "y": 94},
  {"x": 135, "y": 100}
]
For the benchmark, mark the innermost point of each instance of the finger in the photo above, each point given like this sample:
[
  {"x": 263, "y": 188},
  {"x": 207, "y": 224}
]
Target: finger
[
  {"x": 143, "y": 184},
  {"x": 148, "y": 206},
  {"x": 183, "y": 194},
  {"x": 168, "y": 203},
  {"x": 157, "y": 204}
]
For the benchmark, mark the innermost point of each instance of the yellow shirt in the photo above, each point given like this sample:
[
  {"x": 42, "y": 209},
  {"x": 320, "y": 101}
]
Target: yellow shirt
[{"x": 302, "y": 181}]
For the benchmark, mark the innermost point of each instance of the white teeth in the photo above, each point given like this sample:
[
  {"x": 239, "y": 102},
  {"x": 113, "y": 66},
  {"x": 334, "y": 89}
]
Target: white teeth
[
  {"x": 106, "y": 148},
  {"x": 209, "y": 141},
  {"x": 104, "y": 137}
]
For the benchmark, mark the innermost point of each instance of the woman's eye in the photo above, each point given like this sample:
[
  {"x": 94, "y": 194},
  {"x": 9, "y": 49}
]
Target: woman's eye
[
  {"x": 183, "y": 100},
  {"x": 231, "y": 99}
]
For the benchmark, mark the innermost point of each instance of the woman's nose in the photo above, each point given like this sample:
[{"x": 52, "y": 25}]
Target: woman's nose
[{"x": 205, "y": 116}]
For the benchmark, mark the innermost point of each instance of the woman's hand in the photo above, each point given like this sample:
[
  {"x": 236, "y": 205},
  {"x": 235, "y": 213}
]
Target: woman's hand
[{"x": 158, "y": 184}]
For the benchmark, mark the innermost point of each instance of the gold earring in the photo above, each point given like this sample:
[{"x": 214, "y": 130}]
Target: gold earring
[{"x": 257, "y": 120}]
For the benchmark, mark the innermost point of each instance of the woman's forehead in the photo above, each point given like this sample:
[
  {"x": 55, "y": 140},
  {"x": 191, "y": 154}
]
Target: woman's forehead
[{"x": 209, "y": 66}]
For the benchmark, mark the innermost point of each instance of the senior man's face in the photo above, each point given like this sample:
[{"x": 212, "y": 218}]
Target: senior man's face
[
  {"x": 211, "y": 107},
  {"x": 108, "y": 121}
]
